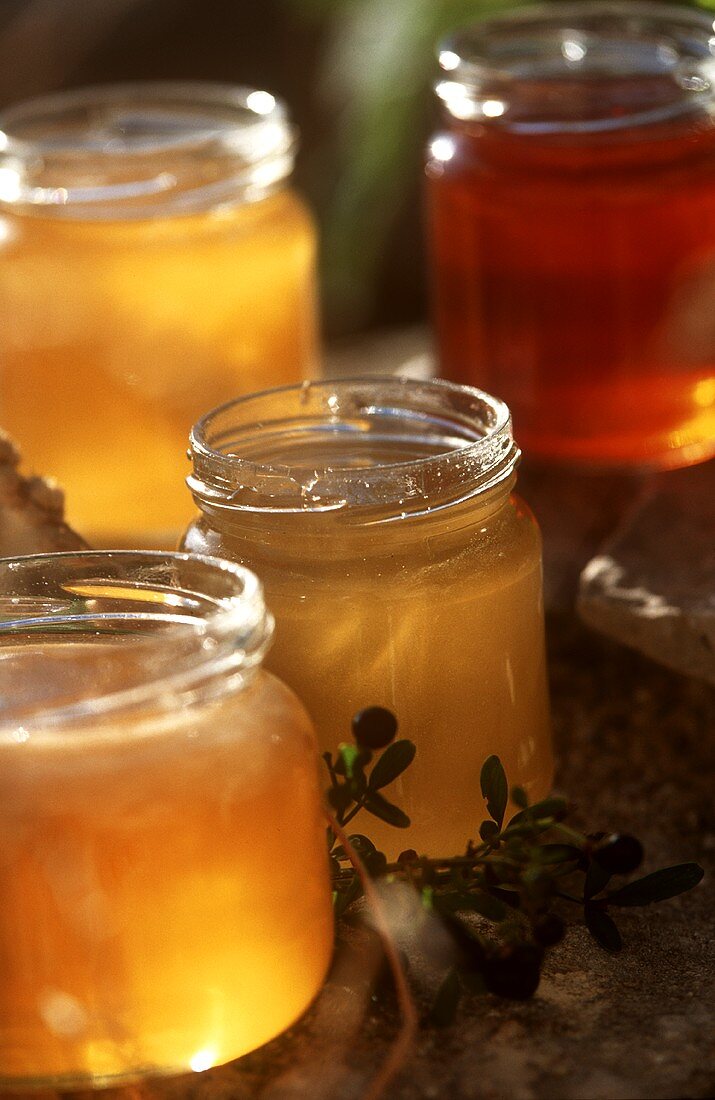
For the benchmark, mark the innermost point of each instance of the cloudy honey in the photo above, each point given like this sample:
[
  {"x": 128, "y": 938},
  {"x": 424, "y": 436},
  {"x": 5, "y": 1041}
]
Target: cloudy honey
[
  {"x": 402, "y": 570},
  {"x": 153, "y": 262}
]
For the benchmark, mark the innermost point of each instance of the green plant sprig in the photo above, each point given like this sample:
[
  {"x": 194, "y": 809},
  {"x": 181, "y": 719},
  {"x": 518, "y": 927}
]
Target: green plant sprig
[{"x": 525, "y": 869}]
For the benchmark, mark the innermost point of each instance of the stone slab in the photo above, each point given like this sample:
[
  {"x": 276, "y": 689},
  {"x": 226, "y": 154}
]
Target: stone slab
[{"x": 652, "y": 583}]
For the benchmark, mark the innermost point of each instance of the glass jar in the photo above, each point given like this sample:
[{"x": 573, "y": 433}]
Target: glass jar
[
  {"x": 163, "y": 868},
  {"x": 153, "y": 262},
  {"x": 571, "y": 195},
  {"x": 402, "y": 573}
]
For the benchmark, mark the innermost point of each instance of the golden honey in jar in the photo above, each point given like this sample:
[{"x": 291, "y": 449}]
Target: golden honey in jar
[
  {"x": 163, "y": 869},
  {"x": 154, "y": 261},
  {"x": 402, "y": 571}
]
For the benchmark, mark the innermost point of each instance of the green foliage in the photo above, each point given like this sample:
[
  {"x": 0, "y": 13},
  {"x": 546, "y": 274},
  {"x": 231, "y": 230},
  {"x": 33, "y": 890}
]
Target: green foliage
[
  {"x": 516, "y": 880},
  {"x": 376, "y": 86}
]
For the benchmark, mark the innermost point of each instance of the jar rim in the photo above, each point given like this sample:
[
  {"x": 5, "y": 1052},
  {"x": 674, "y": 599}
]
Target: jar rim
[
  {"x": 487, "y": 65},
  {"x": 144, "y": 148},
  {"x": 200, "y": 624},
  {"x": 466, "y": 435}
]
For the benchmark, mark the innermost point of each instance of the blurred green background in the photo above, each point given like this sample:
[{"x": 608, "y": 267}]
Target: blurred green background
[{"x": 357, "y": 75}]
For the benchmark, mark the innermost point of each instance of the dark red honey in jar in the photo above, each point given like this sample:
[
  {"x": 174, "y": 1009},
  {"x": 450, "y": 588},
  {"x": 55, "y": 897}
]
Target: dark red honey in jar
[{"x": 571, "y": 204}]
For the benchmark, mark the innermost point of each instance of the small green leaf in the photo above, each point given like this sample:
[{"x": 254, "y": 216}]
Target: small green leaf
[
  {"x": 394, "y": 760},
  {"x": 488, "y": 830},
  {"x": 548, "y": 807},
  {"x": 557, "y": 853},
  {"x": 444, "y": 1007},
  {"x": 603, "y": 929},
  {"x": 494, "y": 788},
  {"x": 596, "y": 880},
  {"x": 386, "y": 811},
  {"x": 519, "y": 797},
  {"x": 659, "y": 886}
]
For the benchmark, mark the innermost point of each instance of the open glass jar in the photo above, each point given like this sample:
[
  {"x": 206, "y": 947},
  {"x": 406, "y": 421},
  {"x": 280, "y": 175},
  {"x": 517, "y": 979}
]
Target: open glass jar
[
  {"x": 402, "y": 573},
  {"x": 163, "y": 869},
  {"x": 153, "y": 261},
  {"x": 571, "y": 195}
]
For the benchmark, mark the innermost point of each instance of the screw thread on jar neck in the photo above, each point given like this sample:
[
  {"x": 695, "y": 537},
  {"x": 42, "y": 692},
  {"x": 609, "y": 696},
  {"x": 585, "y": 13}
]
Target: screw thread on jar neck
[
  {"x": 143, "y": 150},
  {"x": 580, "y": 68},
  {"x": 196, "y": 624},
  {"x": 370, "y": 449}
]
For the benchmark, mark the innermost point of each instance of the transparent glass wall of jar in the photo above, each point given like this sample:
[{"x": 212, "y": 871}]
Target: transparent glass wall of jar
[
  {"x": 153, "y": 262},
  {"x": 571, "y": 195},
  {"x": 402, "y": 573},
  {"x": 163, "y": 870}
]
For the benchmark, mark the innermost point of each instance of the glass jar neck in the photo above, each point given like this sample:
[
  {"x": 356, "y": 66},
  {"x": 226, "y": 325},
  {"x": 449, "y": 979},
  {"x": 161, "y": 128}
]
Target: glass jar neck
[
  {"x": 360, "y": 452},
  {"x": 143, "y": 150},
  {"x": 189, "y": 628},
  {"x": 582, "y": 70}
]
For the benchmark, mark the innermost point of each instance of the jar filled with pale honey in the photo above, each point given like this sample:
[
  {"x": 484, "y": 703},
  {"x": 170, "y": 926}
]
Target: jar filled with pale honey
[
  {"x": 154, "y": 261},
  {"x": 402, "y": 571},
  {"x": 163, "y": 868},
  {"x": 571, "y": 198}
]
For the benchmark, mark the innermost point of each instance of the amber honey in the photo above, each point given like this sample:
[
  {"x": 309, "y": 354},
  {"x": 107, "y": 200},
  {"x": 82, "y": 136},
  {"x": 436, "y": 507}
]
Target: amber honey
[
  {"x": 402, "y": 573},
  {"x": 153, "y": 262},
  {"x": 162, "y": 853},
  {"x": 571, "y": 198}
]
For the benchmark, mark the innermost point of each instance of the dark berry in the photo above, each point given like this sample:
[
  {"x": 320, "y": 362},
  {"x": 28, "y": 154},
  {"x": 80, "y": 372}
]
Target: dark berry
[
  {"x": 515, "y": 973},
  {"x": 619, "y": 854},
  {"x": 374, "y": 727},
  {"x": 549, "y": 930}
]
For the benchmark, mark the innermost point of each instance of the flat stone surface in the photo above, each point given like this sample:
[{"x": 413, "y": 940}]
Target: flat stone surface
[
  {"x": 652, "y": 583},
  {"x": 634, "y": 751}
]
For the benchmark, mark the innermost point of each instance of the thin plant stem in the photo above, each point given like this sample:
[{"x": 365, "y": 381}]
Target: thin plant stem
[{"x": 404, "y": 1041}]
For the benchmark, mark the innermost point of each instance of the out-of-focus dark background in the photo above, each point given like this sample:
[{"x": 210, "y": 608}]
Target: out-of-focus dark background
[{"x": 357, "y": 75}]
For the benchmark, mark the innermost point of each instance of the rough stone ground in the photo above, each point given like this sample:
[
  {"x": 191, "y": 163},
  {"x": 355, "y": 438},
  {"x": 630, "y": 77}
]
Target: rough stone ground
[{"x": 634, "y": 743}]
